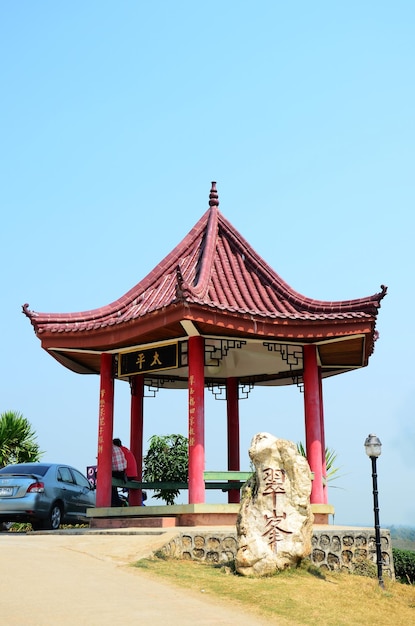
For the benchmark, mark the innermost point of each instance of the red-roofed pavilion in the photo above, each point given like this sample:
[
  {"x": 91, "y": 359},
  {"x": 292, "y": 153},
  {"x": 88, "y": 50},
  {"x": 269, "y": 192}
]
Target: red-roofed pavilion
[{"x": 211, "y": 313}]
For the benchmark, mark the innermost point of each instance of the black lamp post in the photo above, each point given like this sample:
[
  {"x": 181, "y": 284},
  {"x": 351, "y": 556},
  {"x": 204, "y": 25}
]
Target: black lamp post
[{"x": 373, "y": 449}]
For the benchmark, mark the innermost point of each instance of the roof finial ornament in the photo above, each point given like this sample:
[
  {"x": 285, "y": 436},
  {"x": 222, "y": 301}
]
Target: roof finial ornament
[{"x": 213, "y": 196}]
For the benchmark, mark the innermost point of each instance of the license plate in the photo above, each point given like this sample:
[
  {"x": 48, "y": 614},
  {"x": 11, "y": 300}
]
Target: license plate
[{"x": 6, "y": 491}]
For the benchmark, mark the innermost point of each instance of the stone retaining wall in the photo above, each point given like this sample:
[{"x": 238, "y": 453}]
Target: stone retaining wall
[
  {"x": 211, "y": 546},
  {"x": 332, "y": 549},
  {"x": 346, "y": 549}
]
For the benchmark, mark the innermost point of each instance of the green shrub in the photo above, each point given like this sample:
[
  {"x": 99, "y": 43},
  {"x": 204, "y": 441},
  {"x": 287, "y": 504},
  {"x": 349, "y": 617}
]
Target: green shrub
[
  {"x": 167, "y": 460},
  {"x": 404, "y": 562}
]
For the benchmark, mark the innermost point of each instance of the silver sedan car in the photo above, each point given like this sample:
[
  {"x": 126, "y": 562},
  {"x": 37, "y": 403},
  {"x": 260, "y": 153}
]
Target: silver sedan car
[{"x": 44, "y": 494}]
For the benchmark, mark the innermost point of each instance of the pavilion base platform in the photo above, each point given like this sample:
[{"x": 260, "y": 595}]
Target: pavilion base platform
[
  {"x": 180, "y": 515},
  {"x": 164, "y": 516}
]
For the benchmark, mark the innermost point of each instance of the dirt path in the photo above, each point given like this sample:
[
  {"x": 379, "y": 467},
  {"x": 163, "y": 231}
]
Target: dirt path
[{"x": 85, "y": 580}]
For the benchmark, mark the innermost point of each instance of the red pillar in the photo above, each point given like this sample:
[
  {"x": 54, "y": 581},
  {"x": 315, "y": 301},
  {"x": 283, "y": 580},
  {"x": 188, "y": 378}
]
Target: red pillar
[
  {"x": 105, "y": 428},
  {"x": 196, "y": 351},
  {"x": 312, "y": 421},
  {"x": 323, "y": 438},
  {"x": 136, "y": 433},
  {"x": 233, "y": 432}
]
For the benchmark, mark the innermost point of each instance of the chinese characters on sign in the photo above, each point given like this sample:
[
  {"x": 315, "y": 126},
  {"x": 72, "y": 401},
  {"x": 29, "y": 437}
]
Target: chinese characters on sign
[
  {"x": 148, "y": 360},
  {"x": 274, "y": 487},
  {"x": 101, "y": 422},
  {"x": 192, "y": 410}
]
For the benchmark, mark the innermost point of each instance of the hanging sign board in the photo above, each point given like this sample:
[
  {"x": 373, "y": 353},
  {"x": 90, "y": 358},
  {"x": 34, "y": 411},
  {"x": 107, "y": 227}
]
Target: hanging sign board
[{"x": 163, "y": 357}]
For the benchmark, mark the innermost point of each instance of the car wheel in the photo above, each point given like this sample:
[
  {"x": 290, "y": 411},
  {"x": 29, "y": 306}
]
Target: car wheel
[{"x": 55, "y": 518}]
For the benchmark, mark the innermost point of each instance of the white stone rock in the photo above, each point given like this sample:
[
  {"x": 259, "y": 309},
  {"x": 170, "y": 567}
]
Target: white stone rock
[{"x": 275, "y": 522}]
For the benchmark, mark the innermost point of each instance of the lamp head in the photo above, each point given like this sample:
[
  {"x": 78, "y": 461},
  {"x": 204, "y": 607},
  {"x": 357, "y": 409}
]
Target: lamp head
[{"x": 373, "y": 446}]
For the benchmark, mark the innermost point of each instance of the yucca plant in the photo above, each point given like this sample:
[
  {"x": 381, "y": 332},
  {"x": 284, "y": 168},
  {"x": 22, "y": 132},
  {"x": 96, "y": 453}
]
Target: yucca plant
[{"x": 330, "y": 455}]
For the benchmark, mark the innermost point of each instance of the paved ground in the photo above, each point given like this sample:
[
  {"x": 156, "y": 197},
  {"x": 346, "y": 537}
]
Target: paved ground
[{"x": 83, "y": 579}]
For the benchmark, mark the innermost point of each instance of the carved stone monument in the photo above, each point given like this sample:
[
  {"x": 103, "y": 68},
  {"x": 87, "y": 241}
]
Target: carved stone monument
[{"x": 275, "y": 522}]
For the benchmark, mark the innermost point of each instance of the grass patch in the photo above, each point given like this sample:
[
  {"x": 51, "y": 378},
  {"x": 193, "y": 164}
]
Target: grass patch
[
  {"x": 298, "y": 596},
  {"x": 26, "y": 527}
]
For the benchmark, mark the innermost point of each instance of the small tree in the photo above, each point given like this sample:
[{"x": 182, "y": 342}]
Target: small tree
[
  {"x": 17, "y": 440},
  {"x": 167, "y": 460}
]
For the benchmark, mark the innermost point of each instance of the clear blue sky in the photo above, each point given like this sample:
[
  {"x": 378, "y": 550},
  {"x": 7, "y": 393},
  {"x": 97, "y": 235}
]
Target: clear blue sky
[{"x": 115, "y": 118}]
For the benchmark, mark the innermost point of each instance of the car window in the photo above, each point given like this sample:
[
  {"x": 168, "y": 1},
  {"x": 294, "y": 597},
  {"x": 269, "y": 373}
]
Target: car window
[
  {"x": 25, "y": 468},
  {"x": 64, "y": 475},
  {"x": 80, "y": 479}
]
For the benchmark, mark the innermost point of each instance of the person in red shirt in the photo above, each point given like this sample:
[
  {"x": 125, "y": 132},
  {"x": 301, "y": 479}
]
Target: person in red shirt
[{"x": 131, "y": 469}]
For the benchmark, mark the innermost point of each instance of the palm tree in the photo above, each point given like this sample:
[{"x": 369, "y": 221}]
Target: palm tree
[{"x": 17, "y": 439}]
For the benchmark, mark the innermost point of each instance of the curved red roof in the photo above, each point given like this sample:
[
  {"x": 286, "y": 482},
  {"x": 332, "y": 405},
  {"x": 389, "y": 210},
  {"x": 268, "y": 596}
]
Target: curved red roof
[{"x": 215, "y": 279}]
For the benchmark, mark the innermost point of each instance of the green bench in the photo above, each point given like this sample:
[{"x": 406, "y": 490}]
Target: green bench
[{"x": 224, "y": 481}]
